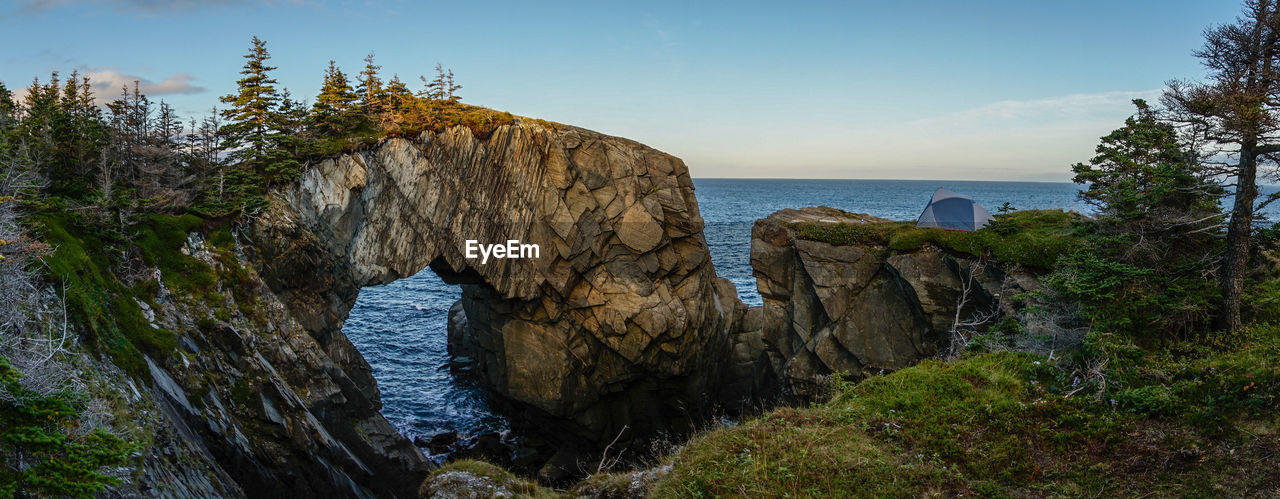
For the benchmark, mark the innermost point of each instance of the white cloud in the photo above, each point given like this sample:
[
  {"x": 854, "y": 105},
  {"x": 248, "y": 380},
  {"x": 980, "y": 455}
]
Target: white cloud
[
  {"x": 1066, "y": 107},
  {"x": 108, "y": 84}
]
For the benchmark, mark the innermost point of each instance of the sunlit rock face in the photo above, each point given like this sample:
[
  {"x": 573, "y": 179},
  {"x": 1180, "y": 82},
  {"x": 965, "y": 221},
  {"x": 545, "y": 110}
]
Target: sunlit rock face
[{"x": 619, "y": 322}]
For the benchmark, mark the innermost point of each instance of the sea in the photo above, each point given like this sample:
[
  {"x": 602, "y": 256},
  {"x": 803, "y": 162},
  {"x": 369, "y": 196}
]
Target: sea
[{"x": 400, "y": 327}]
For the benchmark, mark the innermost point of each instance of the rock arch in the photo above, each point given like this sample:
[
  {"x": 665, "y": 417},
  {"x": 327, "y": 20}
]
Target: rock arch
[{"x": 621, "y": 320}]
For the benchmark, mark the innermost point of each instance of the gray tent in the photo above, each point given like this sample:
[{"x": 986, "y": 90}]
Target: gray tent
[{"x": 948, "y": 210}]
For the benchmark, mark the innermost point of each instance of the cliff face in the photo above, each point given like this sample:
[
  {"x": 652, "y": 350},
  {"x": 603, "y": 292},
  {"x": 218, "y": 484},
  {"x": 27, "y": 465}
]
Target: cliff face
[
  {"x": 857, "y": 308},
  {"x": 251, "y": 401},
  {"x": 618, "y": 322}
]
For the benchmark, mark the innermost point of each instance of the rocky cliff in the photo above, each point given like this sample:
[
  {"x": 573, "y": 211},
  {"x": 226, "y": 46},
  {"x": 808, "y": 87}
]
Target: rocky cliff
[{"x": 847, "y": 303}]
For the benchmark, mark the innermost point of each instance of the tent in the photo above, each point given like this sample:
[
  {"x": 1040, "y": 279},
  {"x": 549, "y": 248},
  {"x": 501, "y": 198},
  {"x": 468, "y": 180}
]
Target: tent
[{"x": 948, "y": 210}]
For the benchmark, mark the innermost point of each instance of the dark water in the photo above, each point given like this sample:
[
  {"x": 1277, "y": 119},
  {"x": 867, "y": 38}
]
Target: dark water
[{"x": 400, "y": 327}]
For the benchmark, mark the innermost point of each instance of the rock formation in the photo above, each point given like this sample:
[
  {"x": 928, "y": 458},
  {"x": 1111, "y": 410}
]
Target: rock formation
[
  {"x": 857, "y": 309},
  {"x": 619, "y": 321}
]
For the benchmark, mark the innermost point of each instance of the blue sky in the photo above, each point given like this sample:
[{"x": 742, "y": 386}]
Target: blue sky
[{"x": 917, "y": 90}]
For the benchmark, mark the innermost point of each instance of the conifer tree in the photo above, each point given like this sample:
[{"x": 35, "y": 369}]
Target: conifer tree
[
  {"x": 8, "y": 120},
  {"x": 335, "y": 108},
  {"x": 1238, "y": 109},
  {"x": 434, "y": 89},
  {"x": 290, "y": 124},
  {"x": 370, "y": 90},
  {"x": 251, "y": 108},
  {"x": 398, "y": 99},
  {"x": 451, "y": 88},
  {"x": 41, "y": 111},
  {"x": 442, "y": 87}
]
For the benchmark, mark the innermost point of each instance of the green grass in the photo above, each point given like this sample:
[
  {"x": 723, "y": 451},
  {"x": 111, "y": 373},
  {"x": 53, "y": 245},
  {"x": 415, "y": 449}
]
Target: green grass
[
  {"x": 1002, "y": 425},
  {"x": 82, "y": 261},
  {"x": 1033, "y": 238},
  {"x": 415, "y": 117},
  {"x": 113, "y": 321},
  {"x": 160, "y": 239}
]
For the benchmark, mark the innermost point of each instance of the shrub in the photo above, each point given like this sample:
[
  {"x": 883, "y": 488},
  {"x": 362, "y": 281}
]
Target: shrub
[{"x": 44, "y": 454}]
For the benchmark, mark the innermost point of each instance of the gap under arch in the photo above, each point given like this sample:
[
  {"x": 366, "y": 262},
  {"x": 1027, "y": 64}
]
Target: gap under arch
[{"x": 401, "y": 329}]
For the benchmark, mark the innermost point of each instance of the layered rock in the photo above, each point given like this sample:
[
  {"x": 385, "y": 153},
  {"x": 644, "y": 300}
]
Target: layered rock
[
  {"x": 619, "y": 322},
  {"x": 251, "y": 402},
  {"x": 854, "y": 308}
]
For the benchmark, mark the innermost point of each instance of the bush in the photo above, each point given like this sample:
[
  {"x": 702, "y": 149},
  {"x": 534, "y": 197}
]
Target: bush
[
  {"x": 1147, "y": 303},
  {"x": 44, "y": 454}
]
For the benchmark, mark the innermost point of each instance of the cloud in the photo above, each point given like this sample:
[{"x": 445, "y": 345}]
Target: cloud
[
  {"x": 143, "y": 8},
  {"x": 38, "y": 6},
  {"x": 107, "y": 85}
]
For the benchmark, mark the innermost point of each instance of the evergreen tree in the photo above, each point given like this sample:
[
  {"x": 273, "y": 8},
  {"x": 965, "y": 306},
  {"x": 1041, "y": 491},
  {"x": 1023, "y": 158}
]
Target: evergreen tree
[
  {"x": 1144, "y": 178},
  {"x": 370, "y": 90},
  {"x": 290, "y": 125},
  {"x": 1237, "y": 109},
  {"x": 41, "y": 111},
  {"x": 398, "y": 99},
  {"x": 434, "y": 89},
  {"x": 335, "y": 111},
  {"x": 442, "y": 87},
  {"x": 1145, "y": 268},
  {"x": 451, "y": 88},
  {"x": 252, "y": 108},
  {"x": 62, "y": 132},
  {"x": 8, "y": 120}
]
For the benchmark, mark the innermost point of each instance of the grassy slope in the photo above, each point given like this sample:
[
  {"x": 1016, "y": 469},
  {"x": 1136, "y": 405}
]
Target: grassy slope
[
  {"x": 1190, "y": 421},
  {"x": 83, "y": 261},
  {"x": 1002, "y": 424}
]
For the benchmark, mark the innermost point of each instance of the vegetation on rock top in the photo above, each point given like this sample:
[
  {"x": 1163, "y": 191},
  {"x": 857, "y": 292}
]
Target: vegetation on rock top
[{"x": 1033, "y": 238}]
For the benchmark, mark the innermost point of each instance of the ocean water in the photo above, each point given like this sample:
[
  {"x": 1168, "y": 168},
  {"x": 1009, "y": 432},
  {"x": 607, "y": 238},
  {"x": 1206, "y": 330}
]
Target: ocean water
[{"x": 400, "y": 327}]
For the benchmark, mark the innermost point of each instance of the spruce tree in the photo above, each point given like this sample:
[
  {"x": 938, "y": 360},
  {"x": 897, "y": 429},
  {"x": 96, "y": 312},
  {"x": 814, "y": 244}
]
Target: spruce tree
[
  {"x": 371, "y": 93},
  {"x": 434, "y": 89},
  {"x": 251, "y": 109},
  {"x": 8, "y": 120},
  {"x": 335, "y": 108}
]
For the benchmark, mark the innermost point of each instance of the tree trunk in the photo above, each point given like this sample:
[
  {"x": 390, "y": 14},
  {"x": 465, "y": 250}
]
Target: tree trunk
[{"x": 1236, "y": 260}]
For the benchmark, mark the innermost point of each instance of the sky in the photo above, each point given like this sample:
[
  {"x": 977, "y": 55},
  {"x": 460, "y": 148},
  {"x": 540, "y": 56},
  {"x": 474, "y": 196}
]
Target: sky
[{"x": 857, "y": 89}]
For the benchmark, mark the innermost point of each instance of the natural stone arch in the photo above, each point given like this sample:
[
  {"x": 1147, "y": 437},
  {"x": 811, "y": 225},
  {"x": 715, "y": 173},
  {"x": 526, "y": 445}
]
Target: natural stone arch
[{"x": 619, "y": 322}]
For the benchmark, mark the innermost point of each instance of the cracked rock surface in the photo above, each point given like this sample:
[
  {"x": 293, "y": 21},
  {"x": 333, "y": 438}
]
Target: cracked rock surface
[{"x": 620, "y": 321}]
